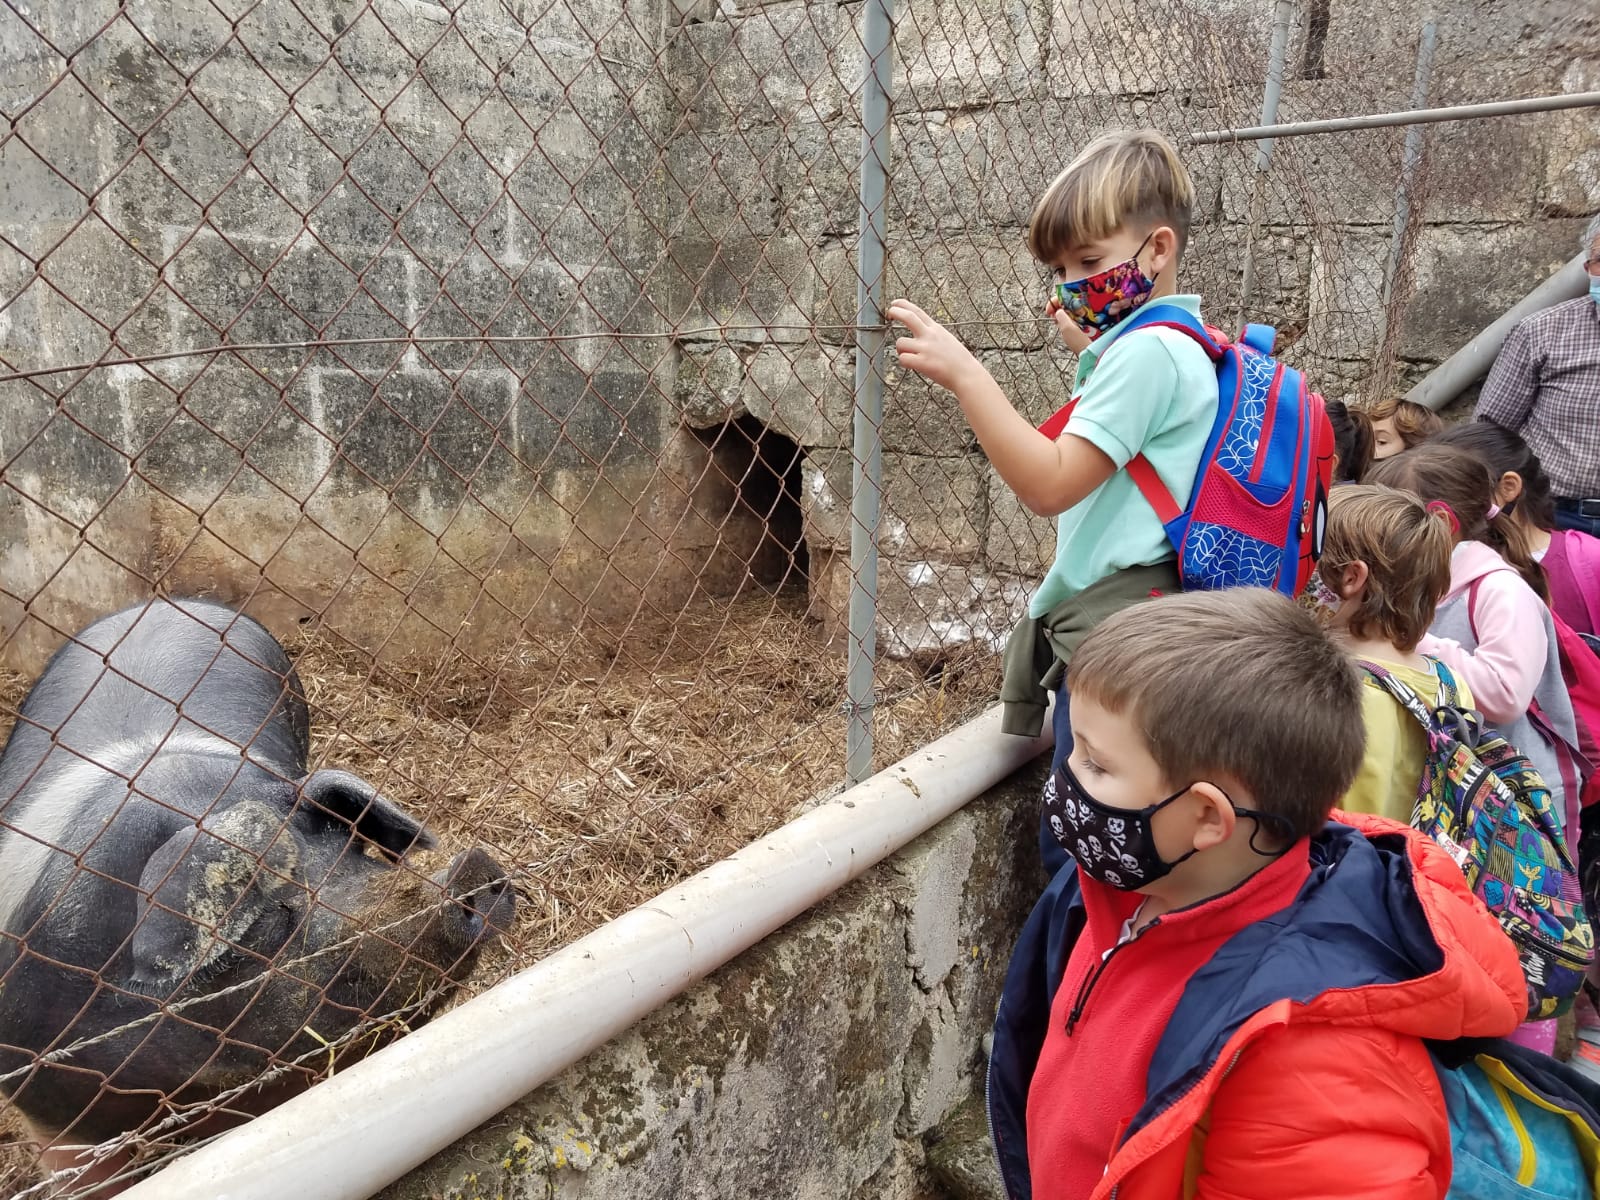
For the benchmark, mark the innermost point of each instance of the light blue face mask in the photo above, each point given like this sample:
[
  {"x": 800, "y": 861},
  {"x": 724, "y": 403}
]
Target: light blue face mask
[{"x": 1594, "y": 288}]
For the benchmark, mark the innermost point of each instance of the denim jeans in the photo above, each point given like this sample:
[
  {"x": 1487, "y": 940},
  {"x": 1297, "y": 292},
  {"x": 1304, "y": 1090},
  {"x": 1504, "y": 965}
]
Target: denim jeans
[
  {"x": 1572, "y": 518},
  {"x": 1050, "y": 850}
]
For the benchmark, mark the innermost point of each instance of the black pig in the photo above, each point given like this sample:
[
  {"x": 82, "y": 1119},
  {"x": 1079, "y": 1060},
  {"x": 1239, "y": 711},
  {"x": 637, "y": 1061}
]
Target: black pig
[{"x": 182, "y": 906}]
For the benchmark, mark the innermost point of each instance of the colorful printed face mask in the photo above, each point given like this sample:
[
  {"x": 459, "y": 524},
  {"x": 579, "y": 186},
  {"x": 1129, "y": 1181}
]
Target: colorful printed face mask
[
  {"x": 1322, "y": 595},
  {"x": 1097, "y": 303}
]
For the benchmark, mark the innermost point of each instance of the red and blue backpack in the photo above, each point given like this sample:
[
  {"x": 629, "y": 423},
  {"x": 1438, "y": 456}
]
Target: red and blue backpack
[{"x": 1258, "y": 511}]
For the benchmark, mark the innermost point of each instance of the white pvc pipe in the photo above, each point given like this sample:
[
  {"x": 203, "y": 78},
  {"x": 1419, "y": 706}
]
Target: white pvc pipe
[
  {"x": 354, "y": 1134},
  {"x": 1472, "y": 362}
]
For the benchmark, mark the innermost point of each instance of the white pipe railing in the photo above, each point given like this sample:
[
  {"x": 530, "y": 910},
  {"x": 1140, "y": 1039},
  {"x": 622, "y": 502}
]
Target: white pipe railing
[{"x": 352, "y": 1135}]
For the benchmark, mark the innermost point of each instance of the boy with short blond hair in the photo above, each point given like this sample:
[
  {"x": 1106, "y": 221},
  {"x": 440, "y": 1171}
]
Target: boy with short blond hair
[
  {"x": 1227, "y": 994},
  {"x": 1112, "y": 228}
]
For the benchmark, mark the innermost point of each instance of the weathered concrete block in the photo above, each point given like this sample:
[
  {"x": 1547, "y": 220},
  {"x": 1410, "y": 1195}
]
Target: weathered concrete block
[
  {"x": 920, "y": 418},
  {"x": 956, "y": 55},
  {"x": 1571, "y": 181},
  {"x": 925, "y": 609},
  {"x": 100, "y": 272},
  {"x": 803, "y": 392},
  {"x": 53, "y": 126},
  {"x": 985, "y": 286},
  {"x": 770, "y": 64},
  {"x": 569, "y": 416},
  {"x": 31, "y": 185},
  {"x": 1098, "y": 50},
  {"x": 709, "y": 386},
  {"x": 932, "y": 507},
  {"x": 818, "y": 177},
  {"x": 246, "y": 96},
  {"x": 764, "y": 287},
  {"x": 127, "y": 74},
  {"x": 1016, "y": 540},
  {"x": 1214, "y": 267},
  {"x": 1455, "y": 297},
  {"x": 940, "y": 167},
  {"x": 724, "y": 181}
]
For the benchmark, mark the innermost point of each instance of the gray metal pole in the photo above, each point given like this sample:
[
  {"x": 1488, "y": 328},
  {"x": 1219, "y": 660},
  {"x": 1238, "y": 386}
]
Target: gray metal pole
[
  {"x": 866, "y": 476},
  {"x": 1282, "y": 22},
  {"x": 1428, "y": 116},
  {"x": 1410, "y": 160},
  {"x": 1472, "y": 362}
]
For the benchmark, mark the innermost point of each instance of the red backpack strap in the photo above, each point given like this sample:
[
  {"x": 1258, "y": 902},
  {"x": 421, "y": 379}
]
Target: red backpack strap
[
  {"x": 1139, "y": 469},
  {"x": 1144, "y": 476},
  {"x": 1154, "y": 491}
]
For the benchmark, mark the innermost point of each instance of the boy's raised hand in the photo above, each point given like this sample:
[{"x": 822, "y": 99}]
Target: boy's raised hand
[{"x": 931, "y": 350}]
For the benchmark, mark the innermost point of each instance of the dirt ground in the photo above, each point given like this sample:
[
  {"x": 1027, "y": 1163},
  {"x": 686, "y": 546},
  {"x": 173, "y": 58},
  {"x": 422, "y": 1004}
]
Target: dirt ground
[{"x": 600, "y": 769}]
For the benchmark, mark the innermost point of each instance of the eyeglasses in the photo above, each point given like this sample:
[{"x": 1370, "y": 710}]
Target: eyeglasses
[{"x": 1592, "y": 265}]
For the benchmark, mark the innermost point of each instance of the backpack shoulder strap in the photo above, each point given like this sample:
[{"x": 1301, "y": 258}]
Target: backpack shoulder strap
[
  {"x": 1174, "y": 316},
  {"x": 1449, "y": 690},
  {"x": 1152, "y": 316},
  {"x": 1407, "y": 698}
]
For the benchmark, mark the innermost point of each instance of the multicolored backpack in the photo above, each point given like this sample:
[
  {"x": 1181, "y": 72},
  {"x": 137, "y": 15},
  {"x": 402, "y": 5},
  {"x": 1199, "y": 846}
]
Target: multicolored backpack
[
  {"x": 1483, "y": 801},
  {"x": 1258, "y": 510}
]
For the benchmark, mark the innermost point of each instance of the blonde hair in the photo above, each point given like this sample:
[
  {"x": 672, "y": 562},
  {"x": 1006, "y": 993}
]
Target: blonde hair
[
  {"x": 1120, "y": 179},
  {"x": 1406, "y": 548},
  {"x": 1239, "y": 682}
]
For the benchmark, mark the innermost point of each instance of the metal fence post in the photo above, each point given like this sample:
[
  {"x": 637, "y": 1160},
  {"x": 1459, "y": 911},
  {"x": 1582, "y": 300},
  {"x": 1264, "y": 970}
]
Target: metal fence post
[
  {"x": 1410, "y": 160},
  {"x": 866, "y": 475},
  {"x": 1282, "y": 22}
]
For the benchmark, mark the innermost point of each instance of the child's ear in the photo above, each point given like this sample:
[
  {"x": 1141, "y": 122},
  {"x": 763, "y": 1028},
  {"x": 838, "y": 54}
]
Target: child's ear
[
  {"x": 1163, "y": 249},
  {"x": 1216, "y": 816},
  {"x": 1353, "y": 579},
  {"x": 1507, "y": 491}
]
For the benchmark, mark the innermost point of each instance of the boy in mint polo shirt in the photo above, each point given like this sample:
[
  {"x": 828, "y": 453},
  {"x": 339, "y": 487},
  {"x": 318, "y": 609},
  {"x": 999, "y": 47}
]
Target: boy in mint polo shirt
[{"x": 1112, "y": 228}]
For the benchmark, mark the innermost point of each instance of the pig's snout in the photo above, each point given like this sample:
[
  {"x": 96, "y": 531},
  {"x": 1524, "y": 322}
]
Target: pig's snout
[{"x": 480, "y": 886}]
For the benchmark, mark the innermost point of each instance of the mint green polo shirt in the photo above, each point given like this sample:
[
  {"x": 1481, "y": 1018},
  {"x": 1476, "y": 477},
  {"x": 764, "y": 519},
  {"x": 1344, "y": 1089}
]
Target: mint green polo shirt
[{"x": 1156, "y": 396}]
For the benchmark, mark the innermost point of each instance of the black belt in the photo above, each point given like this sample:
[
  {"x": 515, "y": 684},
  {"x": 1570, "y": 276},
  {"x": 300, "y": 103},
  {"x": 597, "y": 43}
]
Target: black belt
[{"x": 1583, "y": 507}]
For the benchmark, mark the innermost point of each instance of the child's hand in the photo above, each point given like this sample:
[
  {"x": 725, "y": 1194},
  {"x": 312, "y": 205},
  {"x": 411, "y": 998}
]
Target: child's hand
[
  {"x": 1072, "y": 335},
  {"x": 932, "y": 351}
]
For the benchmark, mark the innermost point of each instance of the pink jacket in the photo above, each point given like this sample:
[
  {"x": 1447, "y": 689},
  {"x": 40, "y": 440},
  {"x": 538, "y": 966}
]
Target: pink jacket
[
  {"x": 1572, "y": 569},
  {"x": 1505, "y": 669}
]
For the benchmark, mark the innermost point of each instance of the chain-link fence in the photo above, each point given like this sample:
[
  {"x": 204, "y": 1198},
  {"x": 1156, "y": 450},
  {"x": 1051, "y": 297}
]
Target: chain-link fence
[{"x": 497, "y": 355}]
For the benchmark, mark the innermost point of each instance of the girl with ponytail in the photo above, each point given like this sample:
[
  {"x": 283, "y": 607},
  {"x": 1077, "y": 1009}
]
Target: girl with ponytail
[
  {"x": 1385, "y": 566},
  {"x": 1492, "y": 629},
  {"x": 1569, "y": 561}
]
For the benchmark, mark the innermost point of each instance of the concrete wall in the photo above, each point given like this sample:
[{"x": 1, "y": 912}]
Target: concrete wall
[
  {"x": 681, "y": 172},
  {"x": 819, "y": 1065}
]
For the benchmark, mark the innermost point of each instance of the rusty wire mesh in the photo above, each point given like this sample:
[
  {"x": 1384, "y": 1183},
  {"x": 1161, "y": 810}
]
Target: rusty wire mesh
[{"x": 497, "y": 356}]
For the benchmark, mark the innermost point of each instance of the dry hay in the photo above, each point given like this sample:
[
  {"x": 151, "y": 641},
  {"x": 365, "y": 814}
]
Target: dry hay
[{"x": 601, "y": 769}]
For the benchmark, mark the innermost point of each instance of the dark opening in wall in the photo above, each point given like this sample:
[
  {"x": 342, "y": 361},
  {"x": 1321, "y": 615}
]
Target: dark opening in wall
[{"x": 760, "y": 470}]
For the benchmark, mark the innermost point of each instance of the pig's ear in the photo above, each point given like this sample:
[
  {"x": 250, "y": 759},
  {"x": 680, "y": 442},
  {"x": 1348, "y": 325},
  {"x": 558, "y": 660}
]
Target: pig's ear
[
  {"x": 215, "y": 896},
  {"x": 353, "y": 801}
]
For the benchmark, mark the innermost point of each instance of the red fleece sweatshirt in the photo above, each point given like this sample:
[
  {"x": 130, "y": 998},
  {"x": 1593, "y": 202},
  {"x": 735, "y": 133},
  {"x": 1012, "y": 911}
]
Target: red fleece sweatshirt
[{"x": 1110, "y": 1012}]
